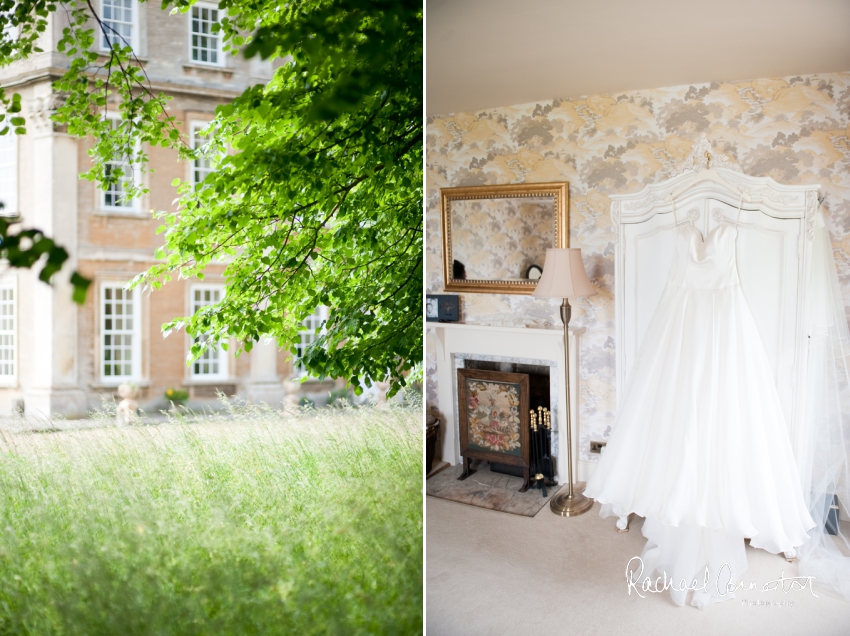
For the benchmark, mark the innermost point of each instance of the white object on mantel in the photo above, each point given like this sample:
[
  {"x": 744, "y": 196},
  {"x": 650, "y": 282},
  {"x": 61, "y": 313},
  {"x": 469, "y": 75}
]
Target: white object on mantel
[
  {"x": 468, "y": 340},
  {"x": 510, "y": 320}
]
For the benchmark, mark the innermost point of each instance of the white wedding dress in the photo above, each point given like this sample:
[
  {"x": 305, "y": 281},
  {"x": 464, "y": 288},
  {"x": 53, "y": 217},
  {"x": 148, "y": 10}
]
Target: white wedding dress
[{"x": 700, "y": 446}]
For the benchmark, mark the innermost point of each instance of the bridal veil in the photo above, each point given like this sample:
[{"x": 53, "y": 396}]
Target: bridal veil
[{"x": 823, "y": 448}]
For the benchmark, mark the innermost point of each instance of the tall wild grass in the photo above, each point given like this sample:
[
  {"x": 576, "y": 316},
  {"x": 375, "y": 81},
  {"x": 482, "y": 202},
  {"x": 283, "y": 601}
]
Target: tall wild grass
[{"x": 250, "y": 522}]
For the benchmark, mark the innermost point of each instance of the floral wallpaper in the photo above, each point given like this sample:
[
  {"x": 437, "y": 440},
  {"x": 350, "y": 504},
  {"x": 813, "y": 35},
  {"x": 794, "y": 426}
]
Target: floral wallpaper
[
  {"x": 794, "y": 129},
  {"x": 501, "y": 238}
]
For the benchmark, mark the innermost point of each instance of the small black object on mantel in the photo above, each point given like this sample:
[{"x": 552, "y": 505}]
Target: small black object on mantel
[
  {"x": 542, "y": 468},
  {"x": 458, "y": 270},
  {"x": 442, "y": 308}
]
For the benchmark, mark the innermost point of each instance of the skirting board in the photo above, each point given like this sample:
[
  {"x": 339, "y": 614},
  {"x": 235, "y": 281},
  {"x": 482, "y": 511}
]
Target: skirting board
[{"x": 585, "y": 470}]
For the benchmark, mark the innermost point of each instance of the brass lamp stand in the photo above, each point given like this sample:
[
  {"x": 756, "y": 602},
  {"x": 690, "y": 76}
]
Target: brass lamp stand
[{"x": 564, "y": 277}]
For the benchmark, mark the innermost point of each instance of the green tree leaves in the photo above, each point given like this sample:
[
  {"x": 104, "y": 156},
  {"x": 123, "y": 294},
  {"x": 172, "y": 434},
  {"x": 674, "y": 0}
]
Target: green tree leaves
[
  {"x": 317, "y": 194},
  {"x": 24, "y": 249},
  {"x": 321, "y": 204}
]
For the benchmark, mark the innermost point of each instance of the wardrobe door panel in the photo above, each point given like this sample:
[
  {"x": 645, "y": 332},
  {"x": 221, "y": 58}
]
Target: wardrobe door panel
[{"x": 648, "y": 259}]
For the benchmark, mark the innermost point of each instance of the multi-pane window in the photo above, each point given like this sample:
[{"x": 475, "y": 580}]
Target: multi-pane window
[
  {"x": 313, "y": 327},
  {"x": 204, "y": 44},
  {"x": 115, "y": 195},
  {"x": 119, "y": 330},
  {"x": 7, "y": 331},
  {"x": 202, "y": 166},
  {"x": 212, "y": 363},
  {"x": 9, "y": 174},
  {"x": 117, "y": 17}
]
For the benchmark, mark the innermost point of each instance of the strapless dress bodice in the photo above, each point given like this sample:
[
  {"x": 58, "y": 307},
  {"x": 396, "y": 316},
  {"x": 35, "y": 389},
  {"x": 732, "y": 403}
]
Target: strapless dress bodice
[{"x": 704, "y": 262}]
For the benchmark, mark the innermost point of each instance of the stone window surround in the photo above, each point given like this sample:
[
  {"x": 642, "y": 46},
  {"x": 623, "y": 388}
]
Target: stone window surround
[
  {"x": 135, "y": 36},
  {"x": 229, "y": 376},
  {"x": 138, "y": 375},
  {"x": 196, "y": 125},
  {"x": 321, "y": 312},
  {"x": 222, "y": 354},
  {"x": 136, "y": 209},
  {"x": 221, "y": 61}
]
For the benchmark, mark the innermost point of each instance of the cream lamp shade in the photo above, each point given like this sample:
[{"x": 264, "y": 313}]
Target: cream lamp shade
[{"x": 563, "y": 275}]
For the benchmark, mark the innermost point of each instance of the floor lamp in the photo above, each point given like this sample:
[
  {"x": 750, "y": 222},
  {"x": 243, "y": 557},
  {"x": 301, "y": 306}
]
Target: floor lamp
[{"x": 564, "y": 277}]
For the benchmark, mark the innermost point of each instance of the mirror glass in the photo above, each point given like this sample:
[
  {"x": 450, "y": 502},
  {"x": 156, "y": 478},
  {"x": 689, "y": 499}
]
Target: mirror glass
[
  {"x": 495, "y": 237},
  {"x": 499, "y": 239}
]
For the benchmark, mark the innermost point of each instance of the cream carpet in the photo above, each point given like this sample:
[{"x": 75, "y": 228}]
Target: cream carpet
[{"x": 494, "y": 573}]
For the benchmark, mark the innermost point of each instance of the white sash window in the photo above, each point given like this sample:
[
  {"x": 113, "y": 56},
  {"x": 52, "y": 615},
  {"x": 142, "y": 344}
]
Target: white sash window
[
  {"x": 203, "y": 165},
  {"x": 204, "y": 45},
  {"x": 8, "y": 332},
  {"x": 120, "y": 333},
  {"x": 213, "y": 362},
  {"x": 313, "y": 328},
  {"x": 120, "y": 23},
  {"x": 114, "y": 196}
]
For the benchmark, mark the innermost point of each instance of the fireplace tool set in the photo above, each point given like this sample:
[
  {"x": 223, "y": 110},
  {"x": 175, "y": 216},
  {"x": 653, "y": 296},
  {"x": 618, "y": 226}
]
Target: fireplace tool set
[{"x": 542, "y": 470}]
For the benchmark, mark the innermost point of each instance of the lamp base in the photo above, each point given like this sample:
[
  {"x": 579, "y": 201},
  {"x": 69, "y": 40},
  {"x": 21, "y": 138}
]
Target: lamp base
[{"x": 566, "y": 506}]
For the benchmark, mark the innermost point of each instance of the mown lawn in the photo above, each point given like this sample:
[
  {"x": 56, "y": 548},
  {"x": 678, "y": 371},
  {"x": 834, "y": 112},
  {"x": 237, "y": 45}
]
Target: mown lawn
[{"x": 261, "y": 523}]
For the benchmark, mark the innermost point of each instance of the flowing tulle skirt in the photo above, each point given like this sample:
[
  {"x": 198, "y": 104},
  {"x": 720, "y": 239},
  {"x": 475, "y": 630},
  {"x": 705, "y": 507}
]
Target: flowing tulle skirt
[{"x": 700, "y": 447}]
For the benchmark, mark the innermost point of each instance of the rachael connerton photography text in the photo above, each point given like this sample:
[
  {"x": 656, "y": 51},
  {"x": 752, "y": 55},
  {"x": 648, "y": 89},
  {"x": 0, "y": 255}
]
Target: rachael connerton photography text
[{"x": 635, "y": 580}]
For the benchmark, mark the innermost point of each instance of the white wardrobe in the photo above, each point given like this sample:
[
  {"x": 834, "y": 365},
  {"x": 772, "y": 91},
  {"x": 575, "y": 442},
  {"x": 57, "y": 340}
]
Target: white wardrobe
[{"x": 773, "y": 252}]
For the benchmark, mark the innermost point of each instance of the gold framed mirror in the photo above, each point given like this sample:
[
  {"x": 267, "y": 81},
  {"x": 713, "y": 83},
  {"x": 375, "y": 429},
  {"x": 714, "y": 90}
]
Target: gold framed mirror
[{"x": 495, "y": 237}]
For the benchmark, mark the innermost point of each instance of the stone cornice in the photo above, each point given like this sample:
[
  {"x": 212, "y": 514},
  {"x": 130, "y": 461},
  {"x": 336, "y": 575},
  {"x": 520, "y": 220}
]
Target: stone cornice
[{"x": 52, "y": 73}]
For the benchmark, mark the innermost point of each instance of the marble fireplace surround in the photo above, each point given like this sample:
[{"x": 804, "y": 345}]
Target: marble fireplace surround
[{"x": 458, "y": 342}]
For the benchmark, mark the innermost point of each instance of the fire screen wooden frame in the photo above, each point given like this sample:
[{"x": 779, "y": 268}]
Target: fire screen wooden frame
[{"x": 493, "y": 419}]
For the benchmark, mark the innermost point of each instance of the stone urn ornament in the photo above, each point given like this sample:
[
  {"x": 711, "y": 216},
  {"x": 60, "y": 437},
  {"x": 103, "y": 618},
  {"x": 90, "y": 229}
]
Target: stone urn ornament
[
  {"x": 293, "y": 394},
  {"x": 127, "y": 411},
  {"x": 381, "y": 393}
]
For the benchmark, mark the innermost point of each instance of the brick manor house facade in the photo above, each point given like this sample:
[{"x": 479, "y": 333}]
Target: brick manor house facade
[{"x": 60, "y": 358}]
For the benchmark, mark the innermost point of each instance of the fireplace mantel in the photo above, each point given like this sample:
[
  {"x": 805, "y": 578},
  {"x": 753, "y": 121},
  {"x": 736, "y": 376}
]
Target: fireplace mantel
[{"x": 456, "y": 341}]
